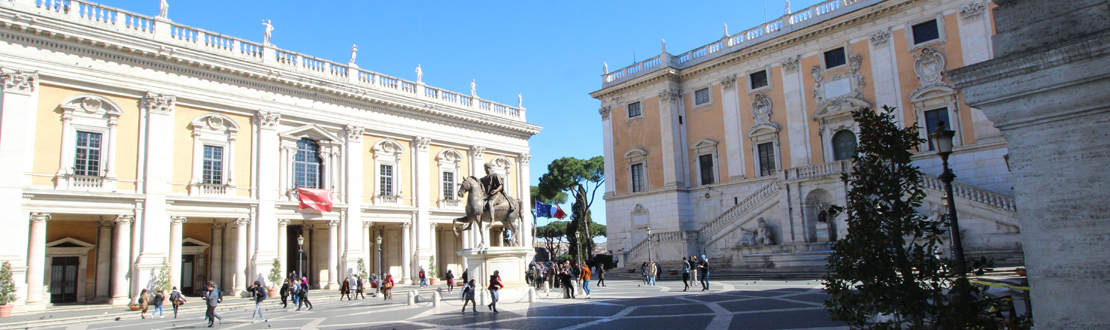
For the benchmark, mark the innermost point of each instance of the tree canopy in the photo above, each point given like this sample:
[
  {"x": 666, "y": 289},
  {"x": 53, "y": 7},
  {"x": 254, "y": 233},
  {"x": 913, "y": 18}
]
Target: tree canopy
[{"x": 580, "y": 178}]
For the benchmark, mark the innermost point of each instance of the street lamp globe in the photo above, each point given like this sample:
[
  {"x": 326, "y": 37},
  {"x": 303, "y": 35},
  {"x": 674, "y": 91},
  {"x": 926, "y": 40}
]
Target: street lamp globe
[
  {"x": 300, "y": 240},
  {"x": 379, "y": 241},
  {"x": 942, "y": 140}
]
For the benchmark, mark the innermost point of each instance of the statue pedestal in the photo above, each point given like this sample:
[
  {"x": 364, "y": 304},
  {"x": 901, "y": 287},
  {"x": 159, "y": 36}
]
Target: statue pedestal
[{"x": 510, "y": 262}]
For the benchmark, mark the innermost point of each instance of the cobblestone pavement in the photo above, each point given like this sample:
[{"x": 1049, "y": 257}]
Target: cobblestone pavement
[{"x": 622, "y": 304}]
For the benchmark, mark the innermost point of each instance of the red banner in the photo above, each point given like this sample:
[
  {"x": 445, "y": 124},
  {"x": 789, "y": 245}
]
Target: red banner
[{"x": 316, "y": 199}]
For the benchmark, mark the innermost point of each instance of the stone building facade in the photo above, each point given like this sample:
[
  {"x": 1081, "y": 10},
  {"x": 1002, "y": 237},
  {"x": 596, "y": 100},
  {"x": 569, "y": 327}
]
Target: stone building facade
[
  {"x": 128, "y": 142},
  {"x": 701, "y": 146}
]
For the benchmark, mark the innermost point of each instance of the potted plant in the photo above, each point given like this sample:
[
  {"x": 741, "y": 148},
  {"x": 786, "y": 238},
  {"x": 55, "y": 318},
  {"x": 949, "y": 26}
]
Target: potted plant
[
  {"x": 275, "y": 278},
  {"x": 7, "y": 290},
  {"x": 433, "y": 275}
]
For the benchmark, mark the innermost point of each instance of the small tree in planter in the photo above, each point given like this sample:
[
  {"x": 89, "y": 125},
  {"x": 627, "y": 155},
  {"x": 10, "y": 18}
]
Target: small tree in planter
[
  {"x": 163, "y": 281},
  {"x": 7, "y": 290},
  {"x": 274, "y": 277},
  {"x": 433, "y": 273},
  {"x": 361, "y": 270}
]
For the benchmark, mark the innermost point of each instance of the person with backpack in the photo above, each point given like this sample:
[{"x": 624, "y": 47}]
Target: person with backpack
[
  {"x": 284, "y": 293},
  {"x": 423, "y": 278},
  {"x": 494, "y": 287},
  {"x": 144, "y": 303},
  {"x": 176, "y": 299},
  {"x": 450, "y": 281},
  {"x": 159, "y": 297},
  {"x": 259, "y": 294},
  {"x": 468, "y": 297}
]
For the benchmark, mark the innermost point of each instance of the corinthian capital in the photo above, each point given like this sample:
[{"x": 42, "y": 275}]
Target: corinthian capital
[
  {"x": 267, "y": 119},
  {"x": 159, "y": 103},
  {"x": 670, "y": 94},
  {"x": 421, "y": 143},
  {"x": 354, "y": 133},
  {"x": 19, "y": 81}
]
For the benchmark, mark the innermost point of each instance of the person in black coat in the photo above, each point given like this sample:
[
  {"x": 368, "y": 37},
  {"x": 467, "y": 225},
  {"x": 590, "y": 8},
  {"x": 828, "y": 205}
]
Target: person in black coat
[{"x": 284, "y": 293}]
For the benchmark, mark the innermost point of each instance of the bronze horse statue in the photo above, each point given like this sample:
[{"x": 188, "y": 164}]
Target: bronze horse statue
[{"x": 478, "y": 211}]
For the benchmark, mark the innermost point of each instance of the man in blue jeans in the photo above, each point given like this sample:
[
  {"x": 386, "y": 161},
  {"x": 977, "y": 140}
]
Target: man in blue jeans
[
  {"x": 586, "y": 279},
  {"x": 703, "y": 272}
]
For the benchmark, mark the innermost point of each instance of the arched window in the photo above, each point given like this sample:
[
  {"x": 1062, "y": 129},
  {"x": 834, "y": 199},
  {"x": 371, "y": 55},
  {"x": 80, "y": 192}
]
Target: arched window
[
  {"x": 307, "y": 165},
  {"x": 844, "y": 145}
]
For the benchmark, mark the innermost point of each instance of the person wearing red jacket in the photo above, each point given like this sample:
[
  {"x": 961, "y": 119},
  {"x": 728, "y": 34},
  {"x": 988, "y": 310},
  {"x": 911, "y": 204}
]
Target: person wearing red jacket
[{"x": 495, "y": 286}]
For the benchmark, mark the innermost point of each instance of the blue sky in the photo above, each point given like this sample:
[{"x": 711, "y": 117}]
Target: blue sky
[{"x": 549, "y": 51}]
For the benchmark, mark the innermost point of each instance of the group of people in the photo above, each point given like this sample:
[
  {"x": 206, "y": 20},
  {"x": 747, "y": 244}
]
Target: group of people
[
  {"x": 694, "y": 270},
  {"x": 353, "y": 284},
  {"x": 567, "y": 275},
  {"x": 297, "y": 289},
  {"x": 469, "y": 291},
  {"x": 157, "y": 300}
]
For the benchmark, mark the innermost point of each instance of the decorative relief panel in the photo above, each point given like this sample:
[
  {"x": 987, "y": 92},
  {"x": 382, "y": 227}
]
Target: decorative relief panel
[
  {"x": 929, "y": 66},
  {"x": 267, "y": 119},
  {"x": 761, "y": 112},
  {"x": 838, "y": 92},
  {"x": 973, "y": 11},
  {"x": 159, "y": 103},
  {"x": 881, "y": 37}
]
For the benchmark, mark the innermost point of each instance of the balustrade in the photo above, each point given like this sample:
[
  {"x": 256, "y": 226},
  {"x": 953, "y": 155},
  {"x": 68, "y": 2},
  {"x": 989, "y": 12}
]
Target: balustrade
[
  {"x": 739, "y": 209},
  {"x": 973, "y": 194},
  {"x": 86, "y": 182}
]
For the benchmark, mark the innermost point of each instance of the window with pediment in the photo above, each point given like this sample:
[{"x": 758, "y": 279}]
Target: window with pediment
[
  {"x": 449, "y": 162},
  {"x": 705, "y": 151},
  {"x": 89, "y": 137},
  {"x": 387, "y": 160},
  {"x": 310, "y": 155},
  {"x": 213, "y": 155},
  {"x": 637, "y": 169},
  {"x": 936, "y": 99}
]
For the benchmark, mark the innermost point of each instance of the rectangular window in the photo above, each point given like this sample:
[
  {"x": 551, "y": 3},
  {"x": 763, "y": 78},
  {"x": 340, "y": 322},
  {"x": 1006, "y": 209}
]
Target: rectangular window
[
  {"x": 213, "y": 171},
  {"x": 705, "y": 164},
  {"x": 766, "y": 158},
  {"x": 932, "y": 117},
  {"x": 637, "y": 177},
  {"x": 307, "y": 165},
  {"x": 835, "y": 58},
  {"x": 758, "y": 79},
  {"x": 448, "y": 185},
  {"x": 386, "y": 180},
  {"x": 701, "y": 96},
  {"x": 634, "y": 110},
  {"x": 87, "y": 159},
  {"x": 925, "y": 31}
]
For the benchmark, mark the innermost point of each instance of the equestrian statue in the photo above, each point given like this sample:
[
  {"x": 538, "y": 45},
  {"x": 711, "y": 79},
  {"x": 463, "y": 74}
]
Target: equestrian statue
[{"x": 486, "y": 202}]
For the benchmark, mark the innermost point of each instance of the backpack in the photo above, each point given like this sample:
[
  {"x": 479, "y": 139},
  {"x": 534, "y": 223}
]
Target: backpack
[{"x": 262, "y": 292}]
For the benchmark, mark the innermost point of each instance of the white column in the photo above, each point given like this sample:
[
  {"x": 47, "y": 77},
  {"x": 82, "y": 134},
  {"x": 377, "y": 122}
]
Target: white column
[
  {"x": 283, "y": 245},
  {"x": 333, "y": 253},
  {"x": 239, "y": 277},
  {"x": 152, "y": 221},
  {"x": 65, "y": 163},
  {"x": 121, "y": 261},
  {"x": 795, "y": 97},
  {"x": 733, "y": 129},
  {"x": 406, "y": 252},
  {"x": 229, "y": 165},
  {"x": 198, "y": 149},
  {"x": 113, "y": 137},
  {"x": 607, "y": 142},
  {"x": 671, "y": 134},
  {"x": 425, "y": 238},
  {"x": 175, "y": 250},
  {"x": 103, "y": 260},
  {"x": 350, "y": 190},
  {"x": 217, "y": 253},
  {"x": 524, "y": 193},
  {"x": 265, "y": 239},
  {"x": 366, "y": 237},
  {"x": 36, "y": 261}
]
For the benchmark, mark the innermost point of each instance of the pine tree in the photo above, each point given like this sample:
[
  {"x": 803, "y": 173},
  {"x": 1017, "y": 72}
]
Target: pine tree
[{"x": 886, "y": 265}]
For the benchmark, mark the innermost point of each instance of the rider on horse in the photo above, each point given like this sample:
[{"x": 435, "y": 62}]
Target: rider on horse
[{"x": 493, "y": 184}]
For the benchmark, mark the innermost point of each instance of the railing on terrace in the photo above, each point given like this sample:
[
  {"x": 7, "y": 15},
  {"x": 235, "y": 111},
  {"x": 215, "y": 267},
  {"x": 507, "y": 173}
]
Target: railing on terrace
[
  {"x": 805, "y": 172},
  {"x": 993, "y": 199},
  {"x": 728, "y": 217},
  {"x": 142, "y": 26},
  {"x": 785, "y": 24}
]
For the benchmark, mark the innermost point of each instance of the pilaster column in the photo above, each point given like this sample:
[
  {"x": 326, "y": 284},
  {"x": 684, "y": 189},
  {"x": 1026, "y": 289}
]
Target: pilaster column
[
  {"x": 674, "y": 165},
  {"x": 121, "y": 260},
  {"x": 351, "y": 182},
  {"x": 333, "y": 251},
  {"x": 730, "y": 107},
  {"x": 406, "y": 252},
  {"x": 524, "y": 193},
  {"x": 425, "y": 238},
  {"x": 103, "y": 260},
  {"x": 265, "y": 242},
  {"x": 217, "y": 263},
  {"x": 157, "y": 174},
  {"x": 607, "y": 142},
  {"x": 36, "y": 261},
  {"x": 175, "y": 250},
  {"x": 366, "y": 237},
  {"x": 239, "y": 277},
  {"x": 283, "y": 245}
]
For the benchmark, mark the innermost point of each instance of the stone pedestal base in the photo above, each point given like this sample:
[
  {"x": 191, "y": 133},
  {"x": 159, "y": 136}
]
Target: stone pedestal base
[{"x": 510, "y": 262}]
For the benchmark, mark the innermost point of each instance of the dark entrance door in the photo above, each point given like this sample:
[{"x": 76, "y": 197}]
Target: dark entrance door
[
  {"x": 63, "y": 279},
  {"x": 293, "y": 251},
  {"x": 188, "y": 267}
]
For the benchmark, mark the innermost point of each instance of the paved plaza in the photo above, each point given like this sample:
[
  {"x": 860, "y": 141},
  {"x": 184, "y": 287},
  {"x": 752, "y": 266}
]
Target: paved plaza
[{"x": 622, "y": 304}]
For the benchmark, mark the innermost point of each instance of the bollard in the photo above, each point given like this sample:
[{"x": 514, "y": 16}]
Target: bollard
[
  {"x": 435, "y": 298},
  {"x": 531, "y": 294},
  {"x": 547, "y": 287},
  {"x": 411, "y": 298}
]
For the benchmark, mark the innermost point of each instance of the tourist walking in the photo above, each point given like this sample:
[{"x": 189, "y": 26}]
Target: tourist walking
[
  {"x": 212, "y": 298},
  {"x": 359, "y": 287},
  {"x": 259, "y": 294},
  {"x": 294, "y": 291},
  {"x": 703, "y": 272},
  {"x": 644, "y": 272},
  {"x": 450, "y": 281},
  {"x": 693, "y": 269},
  {"x": 284, "y": 293},
  {"x": 586, "y": 279},
  {"x": 176, "y": 299},
  {"x": 302, "y": 294},
  {"x": 564, "y": 279},
  {"x": 468, "y": 297},
  {"x": 494, "y": 287},
  {"x": 423, "y": 278},
  {"x": 345, "y": 290},
  {"x": 144, "y": 302},
  {"x": 387, "y": 287},
  {"x": 685, "y": 274},
  {"x": 159, "y": 297},
  {"x": 600, "y": 274},
  {"x": 652, "y": 272}
]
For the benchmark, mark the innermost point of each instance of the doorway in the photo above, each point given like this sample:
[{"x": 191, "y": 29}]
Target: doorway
[
  {"x": 188, "y": 268},
  {"x": 293, "y": 251},
  {"x": 63, "y": 279}
]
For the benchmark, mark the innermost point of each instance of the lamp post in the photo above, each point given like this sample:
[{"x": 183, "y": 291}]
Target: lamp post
[
  {"x": 379, "y": 262},
  {"x": 942, "y": 140},
  {"x": 650, "y": 243},
  {"x": 300, "y": 254}
]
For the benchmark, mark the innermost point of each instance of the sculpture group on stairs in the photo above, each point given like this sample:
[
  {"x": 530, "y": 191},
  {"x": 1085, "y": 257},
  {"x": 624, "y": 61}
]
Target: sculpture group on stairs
[{"x": 760, "y": 236}]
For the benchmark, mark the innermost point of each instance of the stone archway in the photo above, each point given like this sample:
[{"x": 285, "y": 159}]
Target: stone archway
[{"x": 820, "y": 227}]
